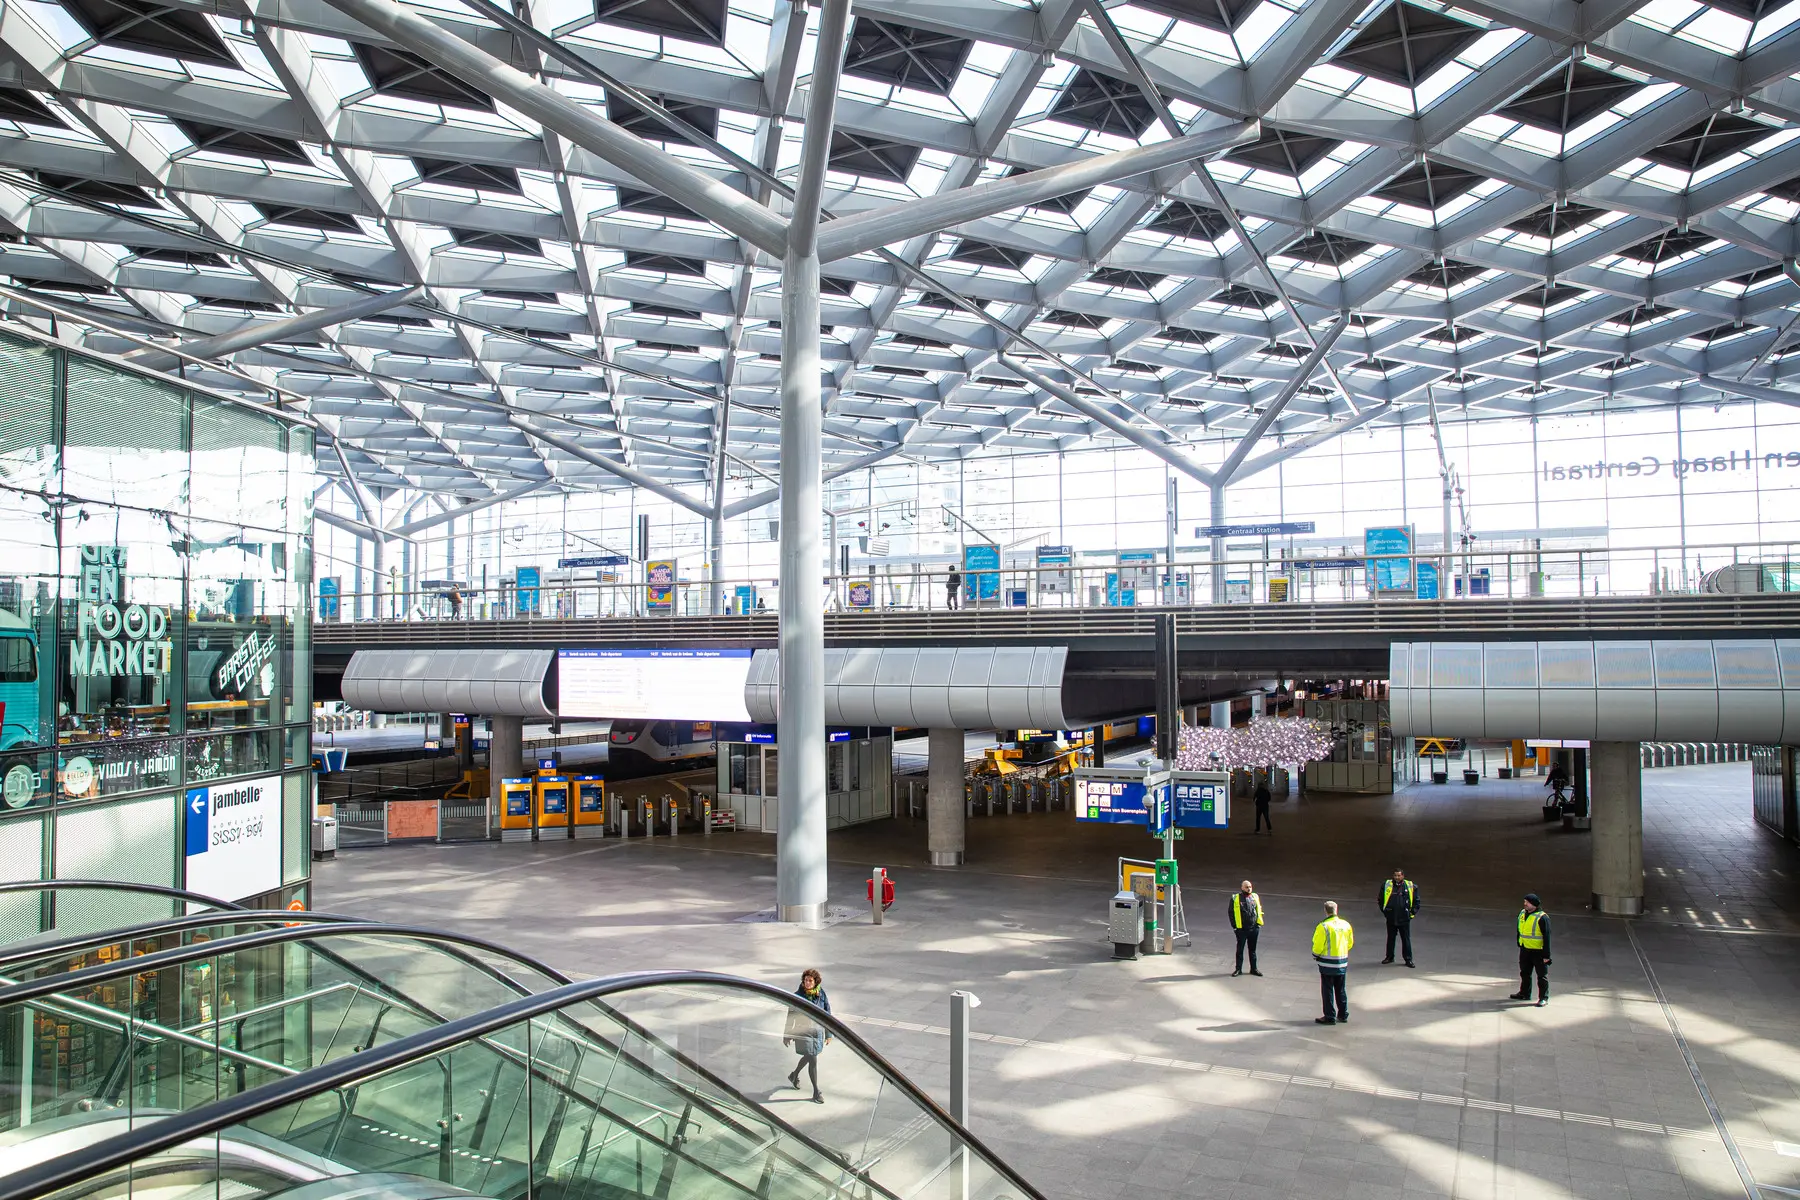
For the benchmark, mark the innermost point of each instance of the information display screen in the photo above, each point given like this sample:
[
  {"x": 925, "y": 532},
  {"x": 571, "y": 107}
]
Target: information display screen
[{"x": 655, "y": 685}]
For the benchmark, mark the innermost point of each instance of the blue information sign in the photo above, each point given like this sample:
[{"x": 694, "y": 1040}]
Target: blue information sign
[
  {"x": 981, "y": 572},
  {"x": 1055, "y": 555},
  {"x": 594, "y": 560},
  {"x": 1201, "y": 805},
  {"x": 1112, "y": 801},
  {"x": 526, "y": 583},
  {"x": 1327, "y": 564},
  {"x": 328, "y": 597},
  {"x": 1270, "y": 529},
  {"x": 1389, "y": 551},
  {"x": 1428, "y": 579}
]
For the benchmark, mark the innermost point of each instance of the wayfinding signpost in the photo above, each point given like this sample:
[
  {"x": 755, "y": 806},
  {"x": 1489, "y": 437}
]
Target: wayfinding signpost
[{"x": 1166, "y": 803}]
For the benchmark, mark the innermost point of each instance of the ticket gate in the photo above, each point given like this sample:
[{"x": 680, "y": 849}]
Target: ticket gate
[
  {"x": 618, "y": 817},
  {"x": 649, "y": 817},
  {"x": 590, "y": 807},
  {"x": 515, "y": 810},
  {"x": 552, "y": 792}
]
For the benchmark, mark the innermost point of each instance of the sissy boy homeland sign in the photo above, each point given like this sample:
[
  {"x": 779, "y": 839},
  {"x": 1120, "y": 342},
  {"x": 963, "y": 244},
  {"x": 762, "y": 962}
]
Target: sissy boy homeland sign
[{"x": 1672, "y": 468}]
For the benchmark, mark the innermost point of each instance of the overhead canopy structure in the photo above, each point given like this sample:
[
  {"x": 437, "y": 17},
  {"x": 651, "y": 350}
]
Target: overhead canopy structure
[{"x": 1526, "y": 210}]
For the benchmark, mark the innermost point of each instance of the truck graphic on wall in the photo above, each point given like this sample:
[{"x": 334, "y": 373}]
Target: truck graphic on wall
[{"x": 18, "y": 711}]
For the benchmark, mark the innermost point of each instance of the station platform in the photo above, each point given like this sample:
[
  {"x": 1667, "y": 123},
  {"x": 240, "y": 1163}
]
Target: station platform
[{"x": 1108, "y": 1078}]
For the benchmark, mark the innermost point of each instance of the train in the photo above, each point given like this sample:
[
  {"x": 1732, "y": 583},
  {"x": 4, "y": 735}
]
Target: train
[{"x": 653, "y": 747}]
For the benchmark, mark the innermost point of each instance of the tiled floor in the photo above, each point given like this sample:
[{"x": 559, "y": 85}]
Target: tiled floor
[{"x": 1104, "y": 1079}]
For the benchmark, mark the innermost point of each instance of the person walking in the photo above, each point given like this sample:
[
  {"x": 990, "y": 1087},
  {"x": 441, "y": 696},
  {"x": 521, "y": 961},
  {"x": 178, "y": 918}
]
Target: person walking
[
  {"x": 807, "y": 1037},
  {"x": 1262, "y": 806},
  {"x": 1399, "y": 901},
  {"x": 1332, "y": 939},
  {"x": 455, "y": 603},
  {"x": 953, "y": 588},
  {"x": 1534, "y": 950},
  {"x": 1246, "y": 921}
]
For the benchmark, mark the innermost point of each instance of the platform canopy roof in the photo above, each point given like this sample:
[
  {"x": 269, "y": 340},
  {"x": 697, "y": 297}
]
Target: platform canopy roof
[{"x": 1503, "y": 209}]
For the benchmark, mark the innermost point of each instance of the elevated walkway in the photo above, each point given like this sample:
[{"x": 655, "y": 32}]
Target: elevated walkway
[{"x": 306, "y": 1055}]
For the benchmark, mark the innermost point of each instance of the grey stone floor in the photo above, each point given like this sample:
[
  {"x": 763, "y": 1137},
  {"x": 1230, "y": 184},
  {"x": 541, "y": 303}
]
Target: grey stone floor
[{"x": 1166, "y": 1076}]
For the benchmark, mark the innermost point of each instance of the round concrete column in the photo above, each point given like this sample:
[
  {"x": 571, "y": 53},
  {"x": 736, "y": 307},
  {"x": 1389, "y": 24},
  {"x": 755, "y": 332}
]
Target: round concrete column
[
  {"x": 506, "y": 760},
  {"x": 1618, "y": 828},
  {"x": 944, "y": 812}
]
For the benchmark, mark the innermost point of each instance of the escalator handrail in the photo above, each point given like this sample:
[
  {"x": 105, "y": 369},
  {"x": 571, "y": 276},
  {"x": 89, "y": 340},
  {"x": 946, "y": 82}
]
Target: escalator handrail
[
  {"x": 30, "y": 989},
  {"x": 117, "y": 885},
  {"x": 66, "y": 1170},
  {"x": 77, "y": 943}
]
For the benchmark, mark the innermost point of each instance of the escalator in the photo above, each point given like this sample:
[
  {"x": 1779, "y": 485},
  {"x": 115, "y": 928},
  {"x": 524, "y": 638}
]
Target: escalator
[{"x": 250, "y": 1054}]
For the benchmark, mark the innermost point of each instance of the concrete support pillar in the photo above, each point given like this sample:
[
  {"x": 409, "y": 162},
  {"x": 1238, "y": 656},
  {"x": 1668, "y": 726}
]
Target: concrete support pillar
[
  {"x": 1220, "y": 717},
  {"x": 944, "y": 811},
  {"x": 1618, "y": 830},
  {"x": 1216, "y": 495},
  {"x": 506, "y": 754}
]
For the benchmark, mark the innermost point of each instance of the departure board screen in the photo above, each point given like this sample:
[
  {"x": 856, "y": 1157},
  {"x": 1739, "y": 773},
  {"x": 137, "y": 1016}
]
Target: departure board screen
[{"x": 656, "y": 685}]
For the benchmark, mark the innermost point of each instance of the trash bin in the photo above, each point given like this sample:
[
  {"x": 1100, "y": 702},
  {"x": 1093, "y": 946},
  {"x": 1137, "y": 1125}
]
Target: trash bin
[
  {"x": 1506, "y": 773},
  {"x": 1471, "y": 778},
  {"x": 324, "y": 838},
  {"x": 1126, "y": 924},
  {"x": 1440, "y": 777}
]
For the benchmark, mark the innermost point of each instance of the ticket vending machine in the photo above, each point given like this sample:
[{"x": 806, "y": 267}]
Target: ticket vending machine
[
  {"x": 552, "y": 807},
  {"x": 515, "y": 810},
  {"x": 590, "y": 807}
]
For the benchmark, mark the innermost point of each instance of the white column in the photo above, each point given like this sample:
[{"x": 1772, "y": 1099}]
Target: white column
[
  {"x": 945, "y": 815},
  {"x": 1617, "y": 806},
  {"x": 506, "y": 756}
]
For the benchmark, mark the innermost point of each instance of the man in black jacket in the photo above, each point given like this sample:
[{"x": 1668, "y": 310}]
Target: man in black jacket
[{"x": 1399, "y": 901}]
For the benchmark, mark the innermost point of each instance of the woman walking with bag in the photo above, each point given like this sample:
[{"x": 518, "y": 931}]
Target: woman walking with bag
[{"x": 807, "y": 1037}]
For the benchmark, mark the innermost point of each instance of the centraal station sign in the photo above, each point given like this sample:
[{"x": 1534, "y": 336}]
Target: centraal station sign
[{"x": 1670, "y": 468}]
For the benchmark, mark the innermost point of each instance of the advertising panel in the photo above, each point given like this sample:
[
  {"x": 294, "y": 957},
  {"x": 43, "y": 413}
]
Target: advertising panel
[
  {"x": 1389, "y": 552},
  {"x": 94, "y": 770},
  {"x": 233, "y": 838},
  {"x": 981, "y": 573},
  {"x": 329, "y": 587},
  {"x": 657, "y": 685},
  {"x": 526, "y": 582},
  {"x": 862, "y": 594},
  {"x": 659, "y": 585},
  {"x": 1056, "y": 582},
  {"x": 1427, "y": 575}
]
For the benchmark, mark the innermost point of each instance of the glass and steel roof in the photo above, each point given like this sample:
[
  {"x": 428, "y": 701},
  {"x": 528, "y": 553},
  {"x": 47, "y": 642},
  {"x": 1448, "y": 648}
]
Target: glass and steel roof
[{"x": 1515, "y": 209}]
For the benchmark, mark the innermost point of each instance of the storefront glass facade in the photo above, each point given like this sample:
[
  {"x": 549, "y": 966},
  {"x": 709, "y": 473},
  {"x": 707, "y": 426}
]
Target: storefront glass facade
[{"x": 155, "y": 709}]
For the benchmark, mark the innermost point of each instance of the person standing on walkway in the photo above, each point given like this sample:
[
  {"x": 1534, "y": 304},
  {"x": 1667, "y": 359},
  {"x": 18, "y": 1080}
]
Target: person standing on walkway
[
  {"x": 1246, "y": 922},
  {"x": 1399, "y": 901},
  {"x": 1331, "y": 943},
  {"x": 1534, "y": 950},
  {"x": 807, "y": 1037},
  {"x": 1262, "y": 806},
  {"x": 953, "y": 589}
]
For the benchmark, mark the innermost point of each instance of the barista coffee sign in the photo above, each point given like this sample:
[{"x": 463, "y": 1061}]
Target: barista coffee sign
[{"x": 1672, "y": 470}]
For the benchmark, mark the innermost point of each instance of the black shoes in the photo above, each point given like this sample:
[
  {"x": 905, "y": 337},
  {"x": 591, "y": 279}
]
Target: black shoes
[
  {"x": 818, "y": 1098},
  {"x": 1344, "y": 1020},
  {"x": 1520, "y": 996},
  {"x": 1543, "y": 1001},
  {"x": 794, "y": 1080},
  {"x": 1324, "y": 1020},
  {"x": 1414, "y": 966},
  {"x": 1386, "y": 961},
  {"x": 1237, "y": 972},
  {"x": 1255, "y": 972}
]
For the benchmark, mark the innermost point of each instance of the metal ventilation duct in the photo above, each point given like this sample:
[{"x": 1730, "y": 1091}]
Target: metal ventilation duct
[
  {"x": 933, "y": 687},
  {"x": 494, "y": 683}
]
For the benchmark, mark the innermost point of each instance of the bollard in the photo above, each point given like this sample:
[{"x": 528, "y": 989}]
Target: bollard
[
  {"x": 706, "y": 817},
  {"x": 674, "y": 817}
]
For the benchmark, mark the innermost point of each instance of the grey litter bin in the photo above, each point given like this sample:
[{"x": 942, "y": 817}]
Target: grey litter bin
[
  {"x": 324, "y": 838},
  {"x": 1126, "y": 924}
]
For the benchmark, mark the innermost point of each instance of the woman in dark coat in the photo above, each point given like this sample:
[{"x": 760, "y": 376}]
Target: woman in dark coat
[{"x": 808, "y": 1038}]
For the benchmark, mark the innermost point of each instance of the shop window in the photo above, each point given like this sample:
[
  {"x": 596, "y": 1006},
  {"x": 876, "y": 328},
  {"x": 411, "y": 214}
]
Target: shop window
[
  {"x": 222, "y": 756},
  {"x": 116, "y": 630},
  {"x": 237, "y": 593}
]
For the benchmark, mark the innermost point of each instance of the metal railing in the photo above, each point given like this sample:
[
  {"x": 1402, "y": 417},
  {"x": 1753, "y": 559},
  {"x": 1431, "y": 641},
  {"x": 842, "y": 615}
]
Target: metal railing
[{"x": 1316, "y": 575}]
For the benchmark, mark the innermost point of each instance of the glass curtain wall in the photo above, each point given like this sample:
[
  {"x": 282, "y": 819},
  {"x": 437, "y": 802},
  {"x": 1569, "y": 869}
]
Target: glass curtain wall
[{"x": 155, "y": 564}]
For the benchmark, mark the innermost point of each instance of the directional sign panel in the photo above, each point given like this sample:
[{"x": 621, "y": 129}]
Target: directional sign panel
[{"x": 233, "y": 838}]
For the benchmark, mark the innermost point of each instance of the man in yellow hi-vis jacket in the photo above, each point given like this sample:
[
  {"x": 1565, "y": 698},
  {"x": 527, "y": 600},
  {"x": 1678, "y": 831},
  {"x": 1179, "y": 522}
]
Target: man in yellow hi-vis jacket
[
  {"x": 1246, "y": 921},
  {"x": 1331, "y": 943},
  {"x": 1534, "y": 950}
]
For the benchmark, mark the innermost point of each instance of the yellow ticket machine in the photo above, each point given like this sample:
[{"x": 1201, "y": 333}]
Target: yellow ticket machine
[
  {"x": 515, "y": 810},
  {"x": 590, "y": 807},
  {"x": 552, "y": 807}
]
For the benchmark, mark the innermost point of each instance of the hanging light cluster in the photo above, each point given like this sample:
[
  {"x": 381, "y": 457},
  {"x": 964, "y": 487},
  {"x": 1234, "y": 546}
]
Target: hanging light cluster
[{"x": 1258, "y": 744}]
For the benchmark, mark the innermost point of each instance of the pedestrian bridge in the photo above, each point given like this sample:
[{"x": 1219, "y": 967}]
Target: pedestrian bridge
[{"x": 1109, "y": 668}]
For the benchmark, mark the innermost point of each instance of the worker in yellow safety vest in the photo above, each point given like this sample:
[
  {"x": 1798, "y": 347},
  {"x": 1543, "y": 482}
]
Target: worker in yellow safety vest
[
  {"x": 1399, "y": 901},
  {"x": 1246, "y": 921},
  {"x": 1534, "y": 950},
  {"x": 1331, "y": 943}
]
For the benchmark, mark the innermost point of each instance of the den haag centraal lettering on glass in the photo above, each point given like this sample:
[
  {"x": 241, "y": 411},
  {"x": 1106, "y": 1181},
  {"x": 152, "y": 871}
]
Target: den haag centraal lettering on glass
[{"x": 1650, "y": 466}]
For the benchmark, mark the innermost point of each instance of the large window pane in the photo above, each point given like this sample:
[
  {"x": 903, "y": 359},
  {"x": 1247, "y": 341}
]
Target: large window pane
[
  {"x": 238, "y": 589},
  {"x": 239, "y": 465},
  {"x": 27, "y": 404},
  {"x": 125, "y": 439}
]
